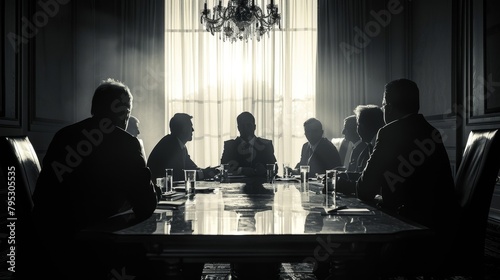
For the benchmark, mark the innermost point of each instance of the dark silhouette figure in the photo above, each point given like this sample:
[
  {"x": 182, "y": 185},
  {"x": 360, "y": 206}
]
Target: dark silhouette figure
[
  {"x": 92, "y": 170},
  {"x": 369, "y": 120},
  {"x": 345, "y": 145},
  {"x": 318, "y": 152},
  {"x": 171, "y": 151},
  {"x": 248, "y": 154},
  {"x": 133, "y": 129},
  {"x": 133, "y": 126},
  {"x": 410, "y": 169}
]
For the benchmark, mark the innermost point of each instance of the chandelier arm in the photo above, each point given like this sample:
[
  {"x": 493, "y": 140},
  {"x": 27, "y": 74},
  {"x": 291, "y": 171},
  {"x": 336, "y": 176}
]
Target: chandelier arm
[
  {"x": 236, "y": 22},
  {"x": 261, "y": 17}
]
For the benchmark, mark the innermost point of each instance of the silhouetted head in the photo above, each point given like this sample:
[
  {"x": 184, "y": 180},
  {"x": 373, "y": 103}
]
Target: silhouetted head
[
  {"x": 313, "y": 129},
  {"x": 181, "y": 127},
  {"x": 113, "y": 100},
  {"x": 401, "y": 97},
  {"x": 370, "y": 119},
  {"x": 246, "y": 125},
  {"x": 133, "y": 126},
  {"x": 350, "y": 130}
]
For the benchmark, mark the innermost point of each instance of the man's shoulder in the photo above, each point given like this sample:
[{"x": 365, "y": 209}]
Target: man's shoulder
[
  {"x": 86, "y": 123},
  {"x": 232, "y": 141},
  {"x": 165, "y": 143},
  {"x": 168, "y": 139},
  {"x": 326, "y": 143},
  {"x": 413, "y": 124},
  {"x": 264, "y": 141}
]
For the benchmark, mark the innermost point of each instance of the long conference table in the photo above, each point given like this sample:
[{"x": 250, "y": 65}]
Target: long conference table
[{"x": 254, "y": 222}]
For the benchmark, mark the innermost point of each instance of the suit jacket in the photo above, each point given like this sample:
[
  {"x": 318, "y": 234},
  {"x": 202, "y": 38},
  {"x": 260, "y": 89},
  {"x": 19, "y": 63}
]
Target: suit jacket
[
  {"x": 91, "y": 171},
  {"x": 168, "y": 154},
  {"x": 410, "y": 168},
  {"x": 344, "y": 147},
  {"x": 237, "y": 153},
  {"x": 324, "y": 157},
  {"x": 358, "y": 158}
]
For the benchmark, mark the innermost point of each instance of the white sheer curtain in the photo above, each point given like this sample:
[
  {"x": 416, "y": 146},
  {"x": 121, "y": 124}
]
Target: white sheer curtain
[{"x": 214, "y": 81}]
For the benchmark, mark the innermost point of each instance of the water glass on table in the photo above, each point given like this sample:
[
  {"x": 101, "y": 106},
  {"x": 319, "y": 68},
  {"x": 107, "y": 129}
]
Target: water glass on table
[
  {"x": 304, "y": 173},
  {"x": 270, "y": 169},
  {"x": 286, "y": 170},
  {"x": 225, "y": 173},
  {"x": 190, "y": 181},
  {"x": 169, "y": 180},
  {"x": 304, "y": 176},
  {"x": 160, "y": 183},
  {"x": 330, "y": 185}
]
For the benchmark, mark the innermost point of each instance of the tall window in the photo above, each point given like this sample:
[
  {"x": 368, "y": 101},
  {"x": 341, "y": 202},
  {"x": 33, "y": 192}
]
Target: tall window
[{"x": 214, "y": 81}]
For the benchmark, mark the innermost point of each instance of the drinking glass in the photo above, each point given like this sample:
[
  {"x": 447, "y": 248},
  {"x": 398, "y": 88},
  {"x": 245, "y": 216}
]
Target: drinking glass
[
  {"x": 304, "y": 176},
  {"x": 225, "y": 173},
  {"x": 330, "y": 185},
  {"x": 270, "y": 172},
  {"x": 160, "y": 183},
  {"x": 169, "y": 179},
  {"x": 286, "y": 170},
  {"x": 304, "y": 173},
  {"x": 190, "y": 181}
]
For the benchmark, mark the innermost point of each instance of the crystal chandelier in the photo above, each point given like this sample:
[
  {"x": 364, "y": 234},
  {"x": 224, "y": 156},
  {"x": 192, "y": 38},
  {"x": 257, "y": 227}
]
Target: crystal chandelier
[{"x": 240, "y": 21}]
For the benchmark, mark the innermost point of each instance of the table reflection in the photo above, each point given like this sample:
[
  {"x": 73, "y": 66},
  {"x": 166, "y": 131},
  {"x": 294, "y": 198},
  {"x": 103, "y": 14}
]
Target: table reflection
[
  {"x": 243, "y": 208},
  {"x": 257, "y": 208}
]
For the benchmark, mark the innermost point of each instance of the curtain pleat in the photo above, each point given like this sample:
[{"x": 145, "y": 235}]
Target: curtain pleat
[
  {"x": 340, "y": 79},
  {"x": 143, "y": 65}
]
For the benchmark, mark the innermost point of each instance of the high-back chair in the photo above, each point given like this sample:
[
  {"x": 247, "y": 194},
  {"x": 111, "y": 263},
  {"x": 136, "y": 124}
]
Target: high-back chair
[
  {"x": 474, "y": 185},
  {"x": 19, "y": 172},
  {"x": 19, "y": 158}
]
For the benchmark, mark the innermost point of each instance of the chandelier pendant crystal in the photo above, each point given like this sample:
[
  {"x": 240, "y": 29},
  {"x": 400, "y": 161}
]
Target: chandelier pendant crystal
[{"x": 240, "y": 20}]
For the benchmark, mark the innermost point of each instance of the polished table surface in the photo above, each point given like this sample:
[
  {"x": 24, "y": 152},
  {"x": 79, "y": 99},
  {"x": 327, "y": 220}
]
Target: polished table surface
[{"x": 260, "y": 221}]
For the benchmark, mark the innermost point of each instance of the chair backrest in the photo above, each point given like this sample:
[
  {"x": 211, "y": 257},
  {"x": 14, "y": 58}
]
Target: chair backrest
[
  {"x": 475, "y": 183},
  {"x": 18, "y": 157}
]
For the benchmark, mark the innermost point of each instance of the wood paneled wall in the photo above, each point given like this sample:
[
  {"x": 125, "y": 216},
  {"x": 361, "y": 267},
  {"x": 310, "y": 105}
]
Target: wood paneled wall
[{"x": 54, "y": 55}]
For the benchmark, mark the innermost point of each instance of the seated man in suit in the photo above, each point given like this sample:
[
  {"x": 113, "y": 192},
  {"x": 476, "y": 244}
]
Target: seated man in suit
[
  {"x": 248, "y": 154},
  {"x": 409, "y": 172},
  {"x": 171, "y": 151},
  {"x": 351, "y": 139},
  {"x": 369, "y": 120},
  {"x": 358, "y": 144},
  {"x": 319, "y": 153},
  {"x": 92, "y": 170},
  {"x": 133, "y": 129}
]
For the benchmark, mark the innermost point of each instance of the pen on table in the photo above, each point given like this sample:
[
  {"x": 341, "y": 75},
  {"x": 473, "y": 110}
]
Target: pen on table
[
  {"x": 177, "y": 197},
  {"x": 168, "y": 207}
]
